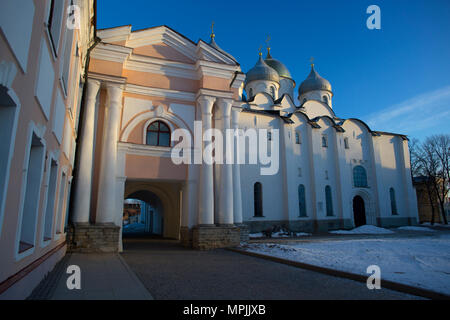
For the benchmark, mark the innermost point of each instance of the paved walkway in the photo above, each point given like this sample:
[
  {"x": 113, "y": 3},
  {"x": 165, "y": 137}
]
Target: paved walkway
[
  {"x": 103, "y": 277},
  {"x": 170, "y": 271}
]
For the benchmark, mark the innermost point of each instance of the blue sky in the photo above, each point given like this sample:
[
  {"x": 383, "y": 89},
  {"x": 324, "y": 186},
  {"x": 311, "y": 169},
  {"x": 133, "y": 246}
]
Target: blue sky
[{"x": 397, "y": 79}]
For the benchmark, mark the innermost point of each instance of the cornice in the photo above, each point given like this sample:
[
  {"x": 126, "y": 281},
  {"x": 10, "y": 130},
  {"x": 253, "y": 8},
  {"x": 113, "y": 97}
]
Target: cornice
[
  {"x": 111, "y": 52},
  {"x": 160, "y": 66},
  {"x": 158, "y": 92}
]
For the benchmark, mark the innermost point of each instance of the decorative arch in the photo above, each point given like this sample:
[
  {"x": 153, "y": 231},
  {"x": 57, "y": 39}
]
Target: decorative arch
[
  {"x": 168, "y": 203},
  {"x": 369, "y": 204},
  {"x": 306, "y": 103},
  {"x": 172, "y": 120}
]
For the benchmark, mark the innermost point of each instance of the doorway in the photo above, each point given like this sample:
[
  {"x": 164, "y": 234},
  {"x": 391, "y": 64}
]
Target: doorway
[{"x": 359, "y": 211}]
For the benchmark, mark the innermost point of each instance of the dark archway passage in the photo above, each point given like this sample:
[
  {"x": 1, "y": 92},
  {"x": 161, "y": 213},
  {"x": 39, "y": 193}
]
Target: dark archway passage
[
  {"x": 359, "y": 211},
  {"x": 143, "y": 215}
]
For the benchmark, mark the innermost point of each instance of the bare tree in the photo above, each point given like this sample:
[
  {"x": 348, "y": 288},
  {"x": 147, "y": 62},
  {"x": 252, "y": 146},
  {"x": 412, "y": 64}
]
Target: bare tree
[
  {"x": 424, "y": 163},
  {"x": 440, "y": 146}
]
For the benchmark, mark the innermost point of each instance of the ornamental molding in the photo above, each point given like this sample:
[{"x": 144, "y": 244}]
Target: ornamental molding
[
  {"x": 111, "y": 52},
  {"x": 158, "y": 92}
]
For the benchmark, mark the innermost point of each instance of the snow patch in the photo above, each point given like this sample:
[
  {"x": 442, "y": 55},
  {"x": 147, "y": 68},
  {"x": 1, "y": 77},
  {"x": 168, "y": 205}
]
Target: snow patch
[
  {"x": 278, "y": 235},
  {"x": 412, "y": 228},
  {"x": 420, "y": 262},
  {"x": 365, "y": 229}
]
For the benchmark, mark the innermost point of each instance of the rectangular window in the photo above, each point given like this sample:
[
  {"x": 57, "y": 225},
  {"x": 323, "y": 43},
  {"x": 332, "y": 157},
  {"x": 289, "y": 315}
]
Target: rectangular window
[
  {"x": 32, "y": 191},
  {"x": 302, "y": 200},
  {"x": 257, "y": 199},
  {"x": 61, "y": 204},
  {"x": 346, "y": 143},
  {"x": 66, "y": 60},
  {"x": 298, "y": 138},
  {"x": 7, "y": 133},
  {"x": 54, "y": 22},
  {"x": 51, "y": 193},
  {"x": 75, "y": 83},
  {"x": 324, "y": 141}
]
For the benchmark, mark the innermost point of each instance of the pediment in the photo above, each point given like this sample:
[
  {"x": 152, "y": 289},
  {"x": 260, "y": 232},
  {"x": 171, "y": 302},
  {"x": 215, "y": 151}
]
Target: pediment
[{"x": 209, "y": 53}]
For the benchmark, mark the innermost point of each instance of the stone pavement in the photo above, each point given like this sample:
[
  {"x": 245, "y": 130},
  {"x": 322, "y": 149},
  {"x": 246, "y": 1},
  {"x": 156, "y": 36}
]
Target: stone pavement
[
  {"x": 170, "y": 271},
  {"x": 103, "y": 277}
]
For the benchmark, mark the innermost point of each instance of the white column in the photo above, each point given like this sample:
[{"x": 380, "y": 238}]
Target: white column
[
  {"x": 226, "y": 169},
  {"x": 206, "y": 190},
  {"x": 107, "y": 182},
  {"x": 237, "y": 196},
  {"x": 84, "y": 182}
]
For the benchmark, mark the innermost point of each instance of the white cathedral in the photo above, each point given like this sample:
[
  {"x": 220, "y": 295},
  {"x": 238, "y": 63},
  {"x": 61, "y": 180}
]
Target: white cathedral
[
  {"x": 336, "y": 173},
  {"x": 142, "y": 85}
]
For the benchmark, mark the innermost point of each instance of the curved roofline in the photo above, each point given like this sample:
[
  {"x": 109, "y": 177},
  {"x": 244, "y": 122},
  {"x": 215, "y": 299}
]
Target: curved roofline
[
  {"x": 282, "y": 96},
  {"x": 358, "y": 120},
  {"x": 376, "y": 133},
  {"x": 253, "y": 98},
  {"x": 323, "y": 103}
]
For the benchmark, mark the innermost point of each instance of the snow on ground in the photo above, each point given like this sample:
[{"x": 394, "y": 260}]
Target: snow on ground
[
  {"x": 412, "y": 228},
  {"x": 428, "y": 224},
  {"x": 365, "y": 229},
  {"x": 422, "y": 262},
  {"x": 277, "y": 235},
  {"x": 256, "y": 235}
]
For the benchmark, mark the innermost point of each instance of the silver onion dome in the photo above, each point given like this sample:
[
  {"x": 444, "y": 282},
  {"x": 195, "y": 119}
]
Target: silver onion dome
[
  {"x": 314, "y": 82},
  {"x": 262, "y": 71},
  {"x": 278, "y": 66}
]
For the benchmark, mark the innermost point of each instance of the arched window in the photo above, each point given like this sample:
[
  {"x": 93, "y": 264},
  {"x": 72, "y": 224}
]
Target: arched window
[
  {"x": 393, "y": 203},
  {"x": 329, "y": 201},
  {"x": 297, "y": 138},
  {"x": 324, "y": 141},
  {"x": 359, "y": 177},
  {"x": 158, "y": 134},
  {"x": 257, "y": 189},
  {"x": 272, "y": 92},
  {"x": 325, "y": 99},
  {"x": 302, "y": 200},
  {"x": 346, "y": 143}
]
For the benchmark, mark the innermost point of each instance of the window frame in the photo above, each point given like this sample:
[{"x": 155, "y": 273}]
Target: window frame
[
  {"x": 346, "y": 144},
  {"x": 298, "y": 139},
  {"x": 33, "y": 130},
  {"x": 55, "y": 38},
  {"x": 394, "y": 209},
  {"x": 329, "y": 201},
  {"x": 258, "y": 211},
  {"x": 365, "y": 183},
  {"x": 324, "y": 141},
  {"x": 158, "y": 132},
  {"x": 301, "y": 192}
]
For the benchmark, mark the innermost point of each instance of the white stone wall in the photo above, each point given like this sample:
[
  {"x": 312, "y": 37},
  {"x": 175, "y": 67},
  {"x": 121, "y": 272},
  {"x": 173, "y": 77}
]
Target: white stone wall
[
  {"x": 318, "y": 96},
  {"x": 385, "y": 158},
  {"x": 258, "y": 86}
]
